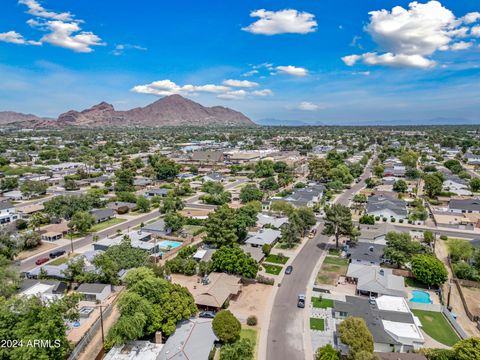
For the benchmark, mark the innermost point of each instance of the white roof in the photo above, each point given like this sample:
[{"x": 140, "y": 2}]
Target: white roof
[
  {"x": 37, "y": 289},
  {"x": 135, "y": 350},
  {"x": 199, "y": 254},
  {"x": 403, "y": 330},
  {"x": 392, "y": 303}
]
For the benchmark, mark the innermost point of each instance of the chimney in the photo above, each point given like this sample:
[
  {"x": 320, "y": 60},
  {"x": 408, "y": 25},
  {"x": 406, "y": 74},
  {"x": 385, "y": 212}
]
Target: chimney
[{"x": 158, "y": 337}]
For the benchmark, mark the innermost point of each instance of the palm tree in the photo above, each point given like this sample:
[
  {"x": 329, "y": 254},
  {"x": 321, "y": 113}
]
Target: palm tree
[{"x": 338, "y": 222}]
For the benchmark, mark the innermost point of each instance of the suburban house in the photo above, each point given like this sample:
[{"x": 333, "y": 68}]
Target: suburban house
[
  {"x": 472, "y": 159},
  {"x": 464, "y": 206},
  {"x": 207, "y": 156},
  {"x": 135, "y": 350},
  {"x": 162, "y": 192},
  {"x": 272, "y": 221},
  {"x": 306, "y": 197},
  {"x": 138, "y": 239},
  {"x": 8, "y": 213},
  {"x": 375, "y": 233},
  {"x": 386, "y": 207},
  {"x": 365, "y": 253},
  {"x": 193, "y": 339},
  {"x": 214, "y": 176},
  {"x": 102, "y": 215},
  {"x": 203, "y": 254},
  {"x": 53, "y": 271},
  {"x": 395, "y": 171},
  {"x": 263, "y": 237},
  {"x": 54, "y": 232},
  {"x": 215, "y": 290},
  {"x": 375, "y": 281},
  {"x": 157, "y": 228},
  {"x": 389, "y": 319},
  {"x": 26, "y": 211},
  {"x": 456, "y": 185},
  {"x": 95, "y": 292},
  {"x": 15, "y": 195},
  {"x": 46, "y": 290},
  {"x": 121, "y": 207}
]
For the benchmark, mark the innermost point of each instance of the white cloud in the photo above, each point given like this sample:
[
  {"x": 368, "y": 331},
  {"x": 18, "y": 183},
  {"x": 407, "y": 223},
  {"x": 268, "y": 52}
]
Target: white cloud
[
  {"x": 292, "y": 70},
  {"x": 364, "y": 73},
  {"x": 408, "y": 37},
  {"x": 250, "y": 73},
  {"x": 264, "y": 92},
  {"x": 461, "y": 45},
  {"x": 472, "y": 17},
  {"x": 240, "y": 83},
  {"x": 36, "y": 9},
  {"x": 121, "y": 48},
  {"x": 308, "y": 106},
  {"x": 14, "y": 37},
  {"x": 475, "y": 31},
  {"x": 168, "y": 87},
  {"x": 282, "y": 22},
  {"x": 233, "y": 95},
  {"x": 61, "y": 30}
]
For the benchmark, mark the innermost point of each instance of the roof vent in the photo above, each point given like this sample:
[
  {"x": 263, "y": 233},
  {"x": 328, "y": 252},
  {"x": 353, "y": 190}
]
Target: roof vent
[
  {"x": 370, "y": 248},
  {"x": 381, "y": 272}
]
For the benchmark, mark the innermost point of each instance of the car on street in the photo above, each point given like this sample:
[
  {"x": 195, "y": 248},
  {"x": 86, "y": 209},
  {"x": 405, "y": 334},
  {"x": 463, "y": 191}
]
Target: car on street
[
  {"x": 56, "y": 254},
  {"x": 41, "y": 261},
  {"x": 301, "y": 301},
  {"x": 207, "y": 314},
  {"x": 288, "y": 269}
]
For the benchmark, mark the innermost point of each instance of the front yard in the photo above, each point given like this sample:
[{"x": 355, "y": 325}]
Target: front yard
[
  {"x": 322, "y": 303},
  {"x": 276, "y": 259},
  {"x": 332, "y": 268},
  {"x": 317, "y": 324},
  {"x": 272, "y": 269},
  {"x": 106, "y": 224},
  {"x": 437, "y": 326}
]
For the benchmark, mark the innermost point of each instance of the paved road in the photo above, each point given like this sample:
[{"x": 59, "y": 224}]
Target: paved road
[
  {"x": 29, "y": 263},
  {"x": 286, "y": 328}
]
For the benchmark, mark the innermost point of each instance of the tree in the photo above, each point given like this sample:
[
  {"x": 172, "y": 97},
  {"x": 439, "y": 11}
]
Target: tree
[
  {"x": 475, "y": 184},
  {"x": 269, "y": 184},
  {"x": 31, "y": 187},
  {"x": 9, "y": 278},
  {"x": 171, "y": 203},
  {"x": 400, "y": 186},
  {"x": 226, "y": 326},
  {"x": 250, "y": 192},
  {"x": 307, "y": 217},
  {"x": 467, "y": 349},
  {"x": 327, "y": 352},
  {"x": 30, "y": 240},
  {"x": 354, "y": 333},
  {"x": 264, "y": 168},
  {"x": 163, "y": 167},
  {"x": 428, "y": 237},
  {"x": 319, "y": 169},
  {"x": 221, "y": 227},
  {"x": 378, "y": 170},
  {"x": 124, "y": 180},
  {"x": 233, "y": 260},
  {"x": 8, "y": 184},
  {"x": 143, "y": 204},
  {"x": 280, "y": 167},
  {"x": 338, "y": 222},
  {"x": 429, "y": 270},
  {"x": 433, "y": 185},
  {"x": 174, "y": 221},
  {"x": 82, "y": 222},
  {"x": 460, "y": 249},
  {"x": 282, "y": 207},
  {"x": 409, "y": 158},
  {"x": 400, "y": 248},
  {"x": 367, "y": 219},
  {"x": 242, "y": 349},
  {"x": 341, "y": 173}
]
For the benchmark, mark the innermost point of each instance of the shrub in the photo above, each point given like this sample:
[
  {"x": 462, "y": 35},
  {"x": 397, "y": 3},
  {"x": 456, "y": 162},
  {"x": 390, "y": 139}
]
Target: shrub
[
  {"x": 384, "y": 219},
  {"x": 265, "y": 280},
  {"x": 226, "y": 326},
  {"x": 377, "y": 218},
  {"x": 252, "y": 320},
  {"x": 393, "y": 220},
  {"x": 443, "y": 237},
  {"x": 400, "y": 221}
]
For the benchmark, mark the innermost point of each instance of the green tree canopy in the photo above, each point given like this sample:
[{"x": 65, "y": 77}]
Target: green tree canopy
[
  {"x": 338, "y": 222},
  {"x": 233, "y": 260},
  {"x": 429, "y": 270},
  {"x": 354, "y": 333},
  {"x": 250, "y": 192},
  {"x": 242, "y": 349},
  {"x": 226, "y": 326}
]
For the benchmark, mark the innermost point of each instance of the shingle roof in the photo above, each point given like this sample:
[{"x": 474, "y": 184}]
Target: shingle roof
[
  {"x": 92, "y": 288},
  {"x": 380, "y": 203},
  {"x": 465, "y": 204}
]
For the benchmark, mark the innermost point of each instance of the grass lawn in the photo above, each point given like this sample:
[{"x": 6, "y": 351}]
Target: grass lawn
[
  {"x": 333, "y": 251},
  {"x": 284, "y": 246},
  {"x": 106, "y": 224},
  {"x": 437, "y": 326},
  {"x": 332, "y": 267},
  {"x": 272, "y": 269},
  {"x": 61, "y": 260},
  {"x": 322, "y": 303},
  {"x": 317, "y": 324},
  {"x": 250, "y": 334},
  {"x": 276, "y": 259}
]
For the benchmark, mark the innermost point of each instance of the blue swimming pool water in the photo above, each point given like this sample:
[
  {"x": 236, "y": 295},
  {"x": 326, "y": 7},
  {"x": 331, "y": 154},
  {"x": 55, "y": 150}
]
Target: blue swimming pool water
[
  {"x": 420, "y": 296},
  {"x": 169, "y": 244}
]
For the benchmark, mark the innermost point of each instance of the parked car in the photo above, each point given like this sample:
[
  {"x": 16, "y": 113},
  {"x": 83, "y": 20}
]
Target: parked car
[
  {"x": 288, "y": 269},
  {"x": 56, "y": 254},
  {"x": 301, "y": 301},
  {"x": 207, "y": 314},
  {"x": 42, "y": 261}
]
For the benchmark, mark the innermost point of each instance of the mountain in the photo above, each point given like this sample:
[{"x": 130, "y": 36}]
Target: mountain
[
  {"x": 173, "y": 110},
  {"x": 277, "y": 122},
  {"x": 14, "y": 118}
]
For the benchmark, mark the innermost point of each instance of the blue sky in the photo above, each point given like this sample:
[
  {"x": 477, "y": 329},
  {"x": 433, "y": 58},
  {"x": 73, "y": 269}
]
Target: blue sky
[{"x": 316, "y": 61}]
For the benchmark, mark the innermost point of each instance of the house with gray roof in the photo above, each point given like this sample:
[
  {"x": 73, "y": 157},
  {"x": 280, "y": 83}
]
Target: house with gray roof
[
  {"x": 365, "y": 253},
  {"x": 95, "y": 292},
  {"x": 306, "y": 197},
  {"x": 214, "y": 176},
  {"x": 193, "y": 339},
  {"x": 375, "y": 233},
  {"x": 393, "y": 326},
  {"x": 262, "y": 237},
  {"x": 464, "y": 206},
  {"x": 138, "y": 239},
  {"x": 102, "y": 215},
  {"x": 162, "y": 192},
  {"x": 387, "y": 207},
  {"x": 157, "y": 228},
  {"x": 273, "y": 221},
  {"x": 375, "y": 281}
]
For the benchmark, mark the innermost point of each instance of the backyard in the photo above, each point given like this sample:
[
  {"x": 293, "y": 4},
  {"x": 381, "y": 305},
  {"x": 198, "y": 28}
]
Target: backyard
[
  {"x": 437, "y": 326},
  {"x": 332, "y": 268}
]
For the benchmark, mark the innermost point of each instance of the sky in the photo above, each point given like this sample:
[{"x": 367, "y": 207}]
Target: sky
[{"x": 320, "y": 62}]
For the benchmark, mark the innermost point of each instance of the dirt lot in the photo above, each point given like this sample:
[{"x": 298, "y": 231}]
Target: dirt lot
[
  {"x": 43, "y": 247},
  {"x": 252, "y": 301},
  {"x": 332, "y": 268},
  {"x": 472, "y": 295}
]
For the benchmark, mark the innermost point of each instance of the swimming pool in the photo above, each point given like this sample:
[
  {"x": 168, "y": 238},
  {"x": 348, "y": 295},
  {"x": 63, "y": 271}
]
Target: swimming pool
[
  {"x": 169, "y": 244},
  {"x": 420, "y": 296}
]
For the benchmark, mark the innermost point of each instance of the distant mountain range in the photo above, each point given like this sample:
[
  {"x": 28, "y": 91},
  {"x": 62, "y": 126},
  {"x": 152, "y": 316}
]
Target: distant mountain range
[
  {"x": 173, "y": 110},
  {"x": 434, "y": 121}
]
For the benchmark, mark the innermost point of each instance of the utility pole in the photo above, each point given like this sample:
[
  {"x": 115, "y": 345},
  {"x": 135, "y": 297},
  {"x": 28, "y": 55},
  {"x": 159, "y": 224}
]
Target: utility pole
[{"x": 101, "y": 323}]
